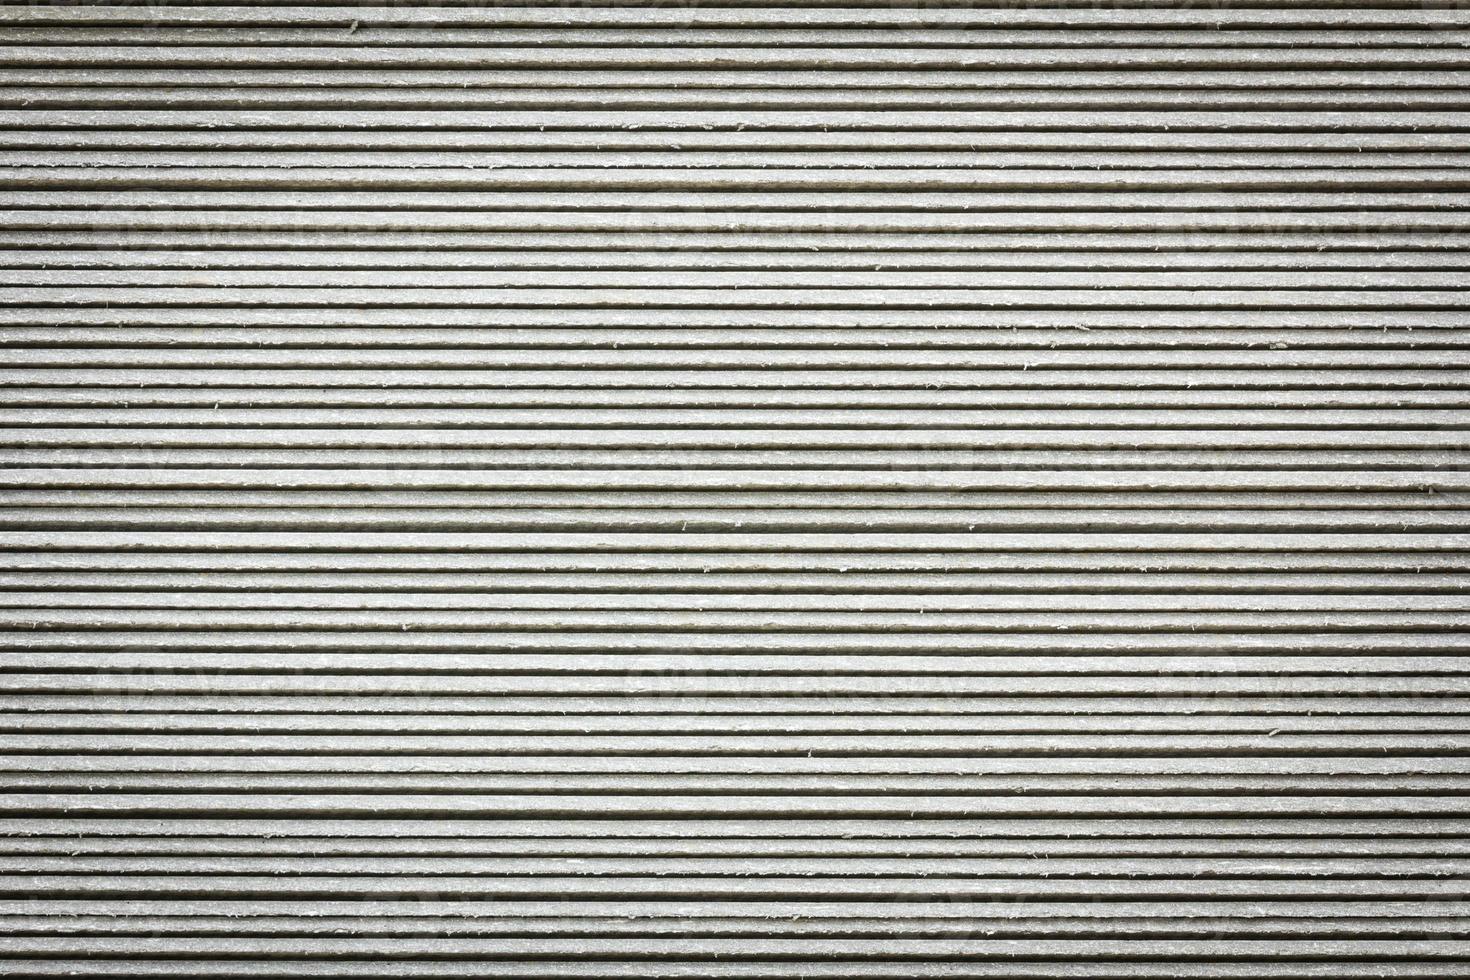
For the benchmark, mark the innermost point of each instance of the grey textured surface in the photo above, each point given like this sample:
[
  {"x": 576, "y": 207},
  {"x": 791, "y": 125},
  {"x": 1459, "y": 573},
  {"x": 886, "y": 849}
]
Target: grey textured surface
[{"x": 904, "y": 491}]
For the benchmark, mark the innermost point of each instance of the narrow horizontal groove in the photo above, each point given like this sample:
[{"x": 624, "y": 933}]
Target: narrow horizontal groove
[
  {"x": 873, "y": 869},
  {"x": 398, "y": 98},
  {"x": 503, "y": 586},
  {"x": 377, "y": 695},
  {"x": 669, "y": 968},
  {"x": 929, "y": 562},
  {"x": 511, "y": 831},
  {"x": 898, "y": 199},
  {"x": 1248, "y": 372},
  {"x": 813, "y": 913},
  {"x": 744, "y": 280},
  {"x": 738, "y": 435},
  {"x": 855, "y": 463},
  {"x": 1427, "y": 929},
  {"x": 1019, "y": 98},
  {"x": 643, "y": 444},
  {"x": 755, "y": 297},
  {"x": 953, "y": 423},
  {"x": 279, "y": 968},
  {"x": 391, "y": 789},
  {"x": 817, "y": 366},
  {"x": 971, "y": 180},
  {"x": 1079, "y": 668},
  {"x": 742, "y": 15},
  {"x": 674, "y": 767},
  {"x": 894, "y": 951},
  {"x": 673, "y": 80},
  {"x": 1446, "y": 33},
  {"x": 834, "y": 543},
  {"x": 784, "y": 229},
  {"x": 140, "y": 336},
  {"x": 660, "y": 250},
  {"x": 956, "y": 399},
  {"x": 1217, "y": 690},
  {"x": 1187, "y": 51},
  {"x": 652, "y": 122},
  {"x": 1196, "y": 847},
  {"x": 794, "y": 521},
  {"x": 745, "y": 140},
  {"x": 837, "y": 783},
  {"x": 866, "y": 469},
  {"x": 1181, "y": 218},
  {"x": 836, "y": 37},
  {"x": 730, "y": 502},
  {"x": 481, "y": 602},
  {"x": 784, "y": 664},
  {"x": 527, "y": 805},
  {"x": 162, "y": 721},
  {"x": 912, "y": 476},
  {"x": 302, "y": 396},
  {"x": 1260, "y": 927},
  {"x": 569, "y": 259},
  {"x": 880, "y": 228},
  {"x": 435, "y": 261},
  {"x": 1217, "y": 685},
  {"x": 791, "y": 921},
  {"x": 937, "y": 323},
  {"x": 410, "y": 338},
  {"x": 848, "y": 88},
  {"x": 773, "y": 889},
  {"x": 649, "y": 395},
  {"x": 568, "y": 159},
  {"x": 714, "y": 621},
  {"x": 709, "y": 928}
]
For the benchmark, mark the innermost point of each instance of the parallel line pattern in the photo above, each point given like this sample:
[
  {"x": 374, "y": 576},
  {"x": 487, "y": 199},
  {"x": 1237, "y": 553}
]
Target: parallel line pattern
[{"x": 826, "y": 490}]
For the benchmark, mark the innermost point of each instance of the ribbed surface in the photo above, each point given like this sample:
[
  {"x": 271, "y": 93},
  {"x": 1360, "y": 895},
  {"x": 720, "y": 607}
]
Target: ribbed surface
[{"x": 735, "y": 492}]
